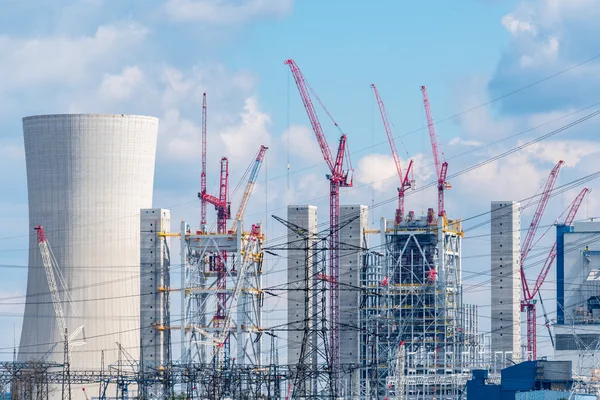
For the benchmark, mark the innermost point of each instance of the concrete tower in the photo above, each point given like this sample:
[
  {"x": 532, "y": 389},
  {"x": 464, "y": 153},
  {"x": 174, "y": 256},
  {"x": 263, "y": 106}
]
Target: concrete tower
[
  {"x": 505, "y": 276},
  {"x": 88, "y": 176},
  {"x": 350, "y": 273},
  {"x": 305, "y": 217}
]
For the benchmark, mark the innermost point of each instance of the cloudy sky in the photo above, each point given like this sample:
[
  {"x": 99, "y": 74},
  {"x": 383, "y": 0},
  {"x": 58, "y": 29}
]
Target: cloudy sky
[{"x": 498, "y": 73}]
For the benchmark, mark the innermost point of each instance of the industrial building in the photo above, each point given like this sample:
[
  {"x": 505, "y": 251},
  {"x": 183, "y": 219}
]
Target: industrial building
[
  {"x": 88, "y": 176},
  {"x": 506, "y": 280},
  {"x": 577, "y": 331},
  {"x": 529, "y": 380}
]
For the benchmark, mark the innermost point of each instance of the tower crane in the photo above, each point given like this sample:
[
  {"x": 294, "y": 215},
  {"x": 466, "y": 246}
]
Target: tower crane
[
  {"x": 528, "y": 303},
  {"x": 51, "y": 267},
  {"x": 405, "y": 182},
  {"x": 441, "y": 168},
  {"x": 338, "y": 177},
  {"x": 221, "y": 203},
  {"x": 249, "y": 186},
  {"x": 203, "y": 173}
]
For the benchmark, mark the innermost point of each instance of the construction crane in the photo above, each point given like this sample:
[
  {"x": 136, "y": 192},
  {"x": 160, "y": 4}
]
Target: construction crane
[
  {"x": 221, "y": 203},
  {"x": 203, "y": 173},
  {"x": 249, "y": 186},
  {"x": 405, "y": 182},
  {"x": 441, "y": 168},
  {"x": 338, "y": 177},
  {"x": 52, "y": 269},
  {"x": 528, "y": 302},
  {"x": 529, "y": 296},
  {"x": 223, "y": 207}
]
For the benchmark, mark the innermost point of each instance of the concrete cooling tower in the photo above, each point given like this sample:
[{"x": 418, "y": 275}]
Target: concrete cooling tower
[{"x": 88, "y": 176}]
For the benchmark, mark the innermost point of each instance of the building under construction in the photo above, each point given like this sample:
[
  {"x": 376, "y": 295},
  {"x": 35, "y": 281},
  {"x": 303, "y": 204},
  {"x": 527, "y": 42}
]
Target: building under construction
[{"x": 419, "y": 333}]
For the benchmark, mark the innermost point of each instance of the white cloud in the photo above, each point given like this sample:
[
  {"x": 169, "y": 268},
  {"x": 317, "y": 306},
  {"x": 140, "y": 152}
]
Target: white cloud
[
  {"x": 302, "y": 143},
  {"x": 379, "y": 171},
  {"x": 250, "y": 131},
  {"x": 570, "y": 151},
  {"x": 479, "y": 122},
  {"x": 64, "y": 59},
  {"x": 457, "y": 141},
  {"x": 515, "y": 26},
  {"x": 226, "y": 12},
  {"x": 120, "y": 87},
  {"x": 501, "y": 180}
]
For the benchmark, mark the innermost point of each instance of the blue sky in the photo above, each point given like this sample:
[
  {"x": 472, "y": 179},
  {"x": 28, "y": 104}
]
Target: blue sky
[{"x": 156, "y": 57}]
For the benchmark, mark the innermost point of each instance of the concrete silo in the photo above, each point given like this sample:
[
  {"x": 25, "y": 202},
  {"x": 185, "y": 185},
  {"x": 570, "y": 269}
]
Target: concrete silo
[{"x": 88, "y": 176}]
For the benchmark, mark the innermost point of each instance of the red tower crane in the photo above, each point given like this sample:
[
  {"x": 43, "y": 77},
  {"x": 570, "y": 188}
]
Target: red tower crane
[
  {"x": 528, "y": 304},
  {"x": 221, "y": 203},
  {"x": 203, "y": 173},
  {"x": 338, "y": 177},
  {"x": 405, "y": 182},
  {"x": 441, "y": 168}
]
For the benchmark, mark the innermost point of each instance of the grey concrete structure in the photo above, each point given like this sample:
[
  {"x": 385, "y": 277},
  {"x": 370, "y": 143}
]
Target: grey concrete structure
[
  {"x": 304, "y": 216},
  {"x": 505, "y": 277},
  {"x": 350, "y": 270},
  {"x": 88, "y": 177},
  {"x": 154, "y": 298}
]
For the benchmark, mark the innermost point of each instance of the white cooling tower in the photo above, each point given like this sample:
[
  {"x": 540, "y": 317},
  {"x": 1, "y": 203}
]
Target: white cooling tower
[{"x": 88, "y": 176}]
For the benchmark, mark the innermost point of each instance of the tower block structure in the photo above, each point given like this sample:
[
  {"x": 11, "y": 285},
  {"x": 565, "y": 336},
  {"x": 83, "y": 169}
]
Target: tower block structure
[{"x": 205, "y": 337}]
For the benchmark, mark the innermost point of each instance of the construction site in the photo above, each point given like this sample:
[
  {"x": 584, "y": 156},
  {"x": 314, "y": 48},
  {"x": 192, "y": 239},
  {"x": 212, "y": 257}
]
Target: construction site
[{"x": 369, "y": 312}]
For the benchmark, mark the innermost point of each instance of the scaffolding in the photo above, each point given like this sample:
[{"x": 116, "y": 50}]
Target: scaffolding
[
  {"x": 208, "y": 334},
  {"x": 413, "y": 294}
]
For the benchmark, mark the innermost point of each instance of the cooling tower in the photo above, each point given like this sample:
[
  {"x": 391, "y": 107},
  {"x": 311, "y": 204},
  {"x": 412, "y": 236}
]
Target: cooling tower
[{"x": 88, "y": 176}]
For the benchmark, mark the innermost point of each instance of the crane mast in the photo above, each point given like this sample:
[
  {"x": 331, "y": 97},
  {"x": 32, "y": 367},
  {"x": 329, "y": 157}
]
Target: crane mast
[
  {"x": 528, "y": 304},
  {"x": 203, "y": 173},
  {"x": 405, "y": 182},
  {"x": 337, "y": 178},
  {"x": 441, "y": 168},
  {"x": 249, "y": 186}
]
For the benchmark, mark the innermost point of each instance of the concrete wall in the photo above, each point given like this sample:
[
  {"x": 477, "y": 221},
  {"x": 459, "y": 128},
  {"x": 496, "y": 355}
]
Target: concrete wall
[
  {"x": 88, "y": 177},
  {"x": 304, "y": 216},
  {"x": 350, "y": 270},
  {"x": 505, "y": 275},
  {"x": 154, "y": 278}
]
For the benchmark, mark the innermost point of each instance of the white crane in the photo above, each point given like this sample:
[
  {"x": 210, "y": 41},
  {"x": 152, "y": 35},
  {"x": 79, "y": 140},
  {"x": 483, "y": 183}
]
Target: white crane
[{"x": 51, "y": 266}]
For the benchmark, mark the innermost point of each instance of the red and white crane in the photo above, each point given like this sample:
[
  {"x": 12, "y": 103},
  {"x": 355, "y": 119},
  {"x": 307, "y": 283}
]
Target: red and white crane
[
  {"x": 249, "y": 186},
  {"x": 338, "y": 177},
  {"x": 528, "y": 304},
  {"x": 405, "y": 181},
  {"x": 203, "y": 173},
  {"x": 221, "y": 203},
  {"x": 441, "y": 168}
]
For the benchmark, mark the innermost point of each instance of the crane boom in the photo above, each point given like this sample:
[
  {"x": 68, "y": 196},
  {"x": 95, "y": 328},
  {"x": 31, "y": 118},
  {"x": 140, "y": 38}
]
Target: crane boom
[
  {"x": 533, "y": 226},
  {"x": 441, "y": 168},
  {"x": 573, "y": 208},
  {"x": 337, "y": 178},
  {"x": 249, "y": 186},
  {"x": 527, "y": 303},
  {"x": 405, "y": 182},
  {"x": 203, "y": 173},
  {"x": 312, "y": 114},
  {"x": 47, "y": 259}
]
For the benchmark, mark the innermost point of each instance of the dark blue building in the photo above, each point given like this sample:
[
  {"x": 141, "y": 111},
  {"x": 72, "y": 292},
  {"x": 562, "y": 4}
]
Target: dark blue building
[{"x": 523, "y": 377}]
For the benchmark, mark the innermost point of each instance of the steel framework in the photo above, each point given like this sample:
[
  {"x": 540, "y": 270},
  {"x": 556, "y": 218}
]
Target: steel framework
[
  {"x": 412, "y": 294},
  {"x": 204, "y": 340}
]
